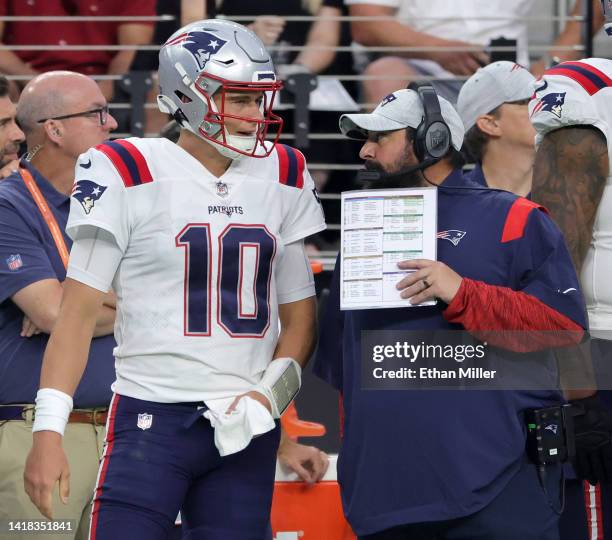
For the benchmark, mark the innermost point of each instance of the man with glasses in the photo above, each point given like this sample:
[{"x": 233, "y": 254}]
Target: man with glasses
[
  {"x": 499, "y": 136},
  {"x": 100, "y": 112},
  {"x": 62, "y": 114}
]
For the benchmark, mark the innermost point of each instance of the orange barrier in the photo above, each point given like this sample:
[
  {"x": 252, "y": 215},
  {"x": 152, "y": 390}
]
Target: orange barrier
[
  {"x": 317, "y": 267},
  {"x": 294, "y": 427},
  {"x": 309, "y": 512},
  {"x": 302, "y": 511}
]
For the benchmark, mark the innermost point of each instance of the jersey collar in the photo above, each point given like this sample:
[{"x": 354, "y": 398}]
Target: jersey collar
[
  {"x": 477, "y": 175},
  {"x": 51, "y": 194},
  {"x": 455, "y": 178},
  {"x": 233, "y": 177}
]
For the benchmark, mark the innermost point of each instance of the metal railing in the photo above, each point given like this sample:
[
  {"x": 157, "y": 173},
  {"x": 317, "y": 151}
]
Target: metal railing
[
  {"x": 86, "y": 18},
  {"x": 558, "y": 19}
]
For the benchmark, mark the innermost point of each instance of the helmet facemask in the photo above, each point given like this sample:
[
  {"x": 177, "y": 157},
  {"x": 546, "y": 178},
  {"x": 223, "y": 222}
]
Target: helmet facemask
[{"x": 213, "y": 128}]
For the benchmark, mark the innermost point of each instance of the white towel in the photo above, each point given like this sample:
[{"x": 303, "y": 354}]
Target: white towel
[{"x": 234, "y": 431}]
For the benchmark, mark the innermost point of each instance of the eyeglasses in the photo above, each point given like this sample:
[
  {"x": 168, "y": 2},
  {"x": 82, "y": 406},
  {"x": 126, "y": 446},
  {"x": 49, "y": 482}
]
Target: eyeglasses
[{"x": 102, "y": 113}]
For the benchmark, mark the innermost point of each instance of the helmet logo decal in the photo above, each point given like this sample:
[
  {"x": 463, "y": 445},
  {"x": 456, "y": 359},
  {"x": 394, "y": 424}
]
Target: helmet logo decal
[{"x": 202, "y": 45}]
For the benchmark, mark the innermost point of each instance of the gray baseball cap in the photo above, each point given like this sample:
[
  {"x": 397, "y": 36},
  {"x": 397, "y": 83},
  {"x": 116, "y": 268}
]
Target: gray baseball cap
[
  {"x": 492, "y": 86},
  {"x": 399, "y": 110}
]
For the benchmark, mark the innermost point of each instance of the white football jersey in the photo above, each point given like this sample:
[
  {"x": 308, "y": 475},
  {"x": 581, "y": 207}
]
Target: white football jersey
[
  {"x": 580, "y": 93},
  {"x": 197, "y": 308}
]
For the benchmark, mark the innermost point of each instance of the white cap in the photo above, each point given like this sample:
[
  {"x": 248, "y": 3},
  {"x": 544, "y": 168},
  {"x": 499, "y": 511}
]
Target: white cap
[
  {"x": 399, "y": 110},
  {"x": 492, "y": 86}
]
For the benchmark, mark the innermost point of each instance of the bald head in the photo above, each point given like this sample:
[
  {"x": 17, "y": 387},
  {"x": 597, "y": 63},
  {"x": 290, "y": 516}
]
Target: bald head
[
  {"x": 75, "y": 113},
  {"x": 51, "y": 94}
]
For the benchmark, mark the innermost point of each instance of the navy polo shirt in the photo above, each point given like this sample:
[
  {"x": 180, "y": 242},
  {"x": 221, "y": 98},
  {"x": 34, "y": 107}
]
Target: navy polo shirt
[
  {"x": 28, "y": 254},
  {"x": 417, "y": 456}
]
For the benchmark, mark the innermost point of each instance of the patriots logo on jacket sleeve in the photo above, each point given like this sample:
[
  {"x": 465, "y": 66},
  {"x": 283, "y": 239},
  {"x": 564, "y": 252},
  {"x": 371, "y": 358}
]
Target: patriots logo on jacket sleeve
[
  {"x": 202, "y": 45},
  {"x": 87, "y": 193},
  {"x": 552, "y": 103}
]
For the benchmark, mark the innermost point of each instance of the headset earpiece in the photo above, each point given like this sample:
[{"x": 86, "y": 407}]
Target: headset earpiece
[{"x": 433, "y": 137}]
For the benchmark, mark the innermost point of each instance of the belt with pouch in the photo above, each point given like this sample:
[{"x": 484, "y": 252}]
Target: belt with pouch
[{"x": 96, "y": 417}]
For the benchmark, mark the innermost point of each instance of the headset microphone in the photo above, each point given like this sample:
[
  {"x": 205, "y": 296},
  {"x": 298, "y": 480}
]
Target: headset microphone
[{"x": 382, "y": 180}]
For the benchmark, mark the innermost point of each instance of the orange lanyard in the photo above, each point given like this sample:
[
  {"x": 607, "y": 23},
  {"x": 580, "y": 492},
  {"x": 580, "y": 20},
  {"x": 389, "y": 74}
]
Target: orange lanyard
[{"x": 46, "y": 213}]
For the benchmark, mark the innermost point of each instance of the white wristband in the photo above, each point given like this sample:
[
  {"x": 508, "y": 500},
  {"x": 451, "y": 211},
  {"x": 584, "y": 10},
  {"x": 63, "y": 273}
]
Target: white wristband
[
  {"x": 52, "y": 410},
  {"x": 280, "y": 383}
]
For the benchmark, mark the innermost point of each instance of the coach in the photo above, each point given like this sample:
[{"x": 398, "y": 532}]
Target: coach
[{"x": 449, "y": 465}]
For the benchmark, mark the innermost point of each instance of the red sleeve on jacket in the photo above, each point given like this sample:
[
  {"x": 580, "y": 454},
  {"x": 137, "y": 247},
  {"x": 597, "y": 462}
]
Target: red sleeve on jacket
[{"x": 510, "y": 319}]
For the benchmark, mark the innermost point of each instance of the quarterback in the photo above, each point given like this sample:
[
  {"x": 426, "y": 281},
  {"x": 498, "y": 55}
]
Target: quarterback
[{"x": 202, "y": 241}]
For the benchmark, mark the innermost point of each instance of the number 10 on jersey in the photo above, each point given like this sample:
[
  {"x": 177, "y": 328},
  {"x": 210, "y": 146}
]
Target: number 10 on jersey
[{"x": 245, "y": 257}]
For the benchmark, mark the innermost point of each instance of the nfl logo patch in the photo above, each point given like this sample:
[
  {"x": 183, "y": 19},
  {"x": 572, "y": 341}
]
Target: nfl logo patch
[
  {"x": 14, "y": 262},
  {"x": 145, "y": 420},
  {"x": 222, "y": 190}
]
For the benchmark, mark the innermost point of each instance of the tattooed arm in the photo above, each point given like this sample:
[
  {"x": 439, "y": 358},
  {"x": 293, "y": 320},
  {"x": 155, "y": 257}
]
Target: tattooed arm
[{"x": 569, "y": 175}]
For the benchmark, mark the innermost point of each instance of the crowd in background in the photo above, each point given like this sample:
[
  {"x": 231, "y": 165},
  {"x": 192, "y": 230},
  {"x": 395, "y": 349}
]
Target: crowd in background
[
  {"x": 388, "y": 45},
  {"x": 455, "y": 40}
]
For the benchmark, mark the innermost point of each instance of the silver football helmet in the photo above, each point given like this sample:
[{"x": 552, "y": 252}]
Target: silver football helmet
[{"x": 202, "y": 62}]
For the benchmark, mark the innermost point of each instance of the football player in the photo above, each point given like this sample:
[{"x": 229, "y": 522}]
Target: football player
[
  {"x": 573, "y": 118},
  {"x": 203, "y": 243}
]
